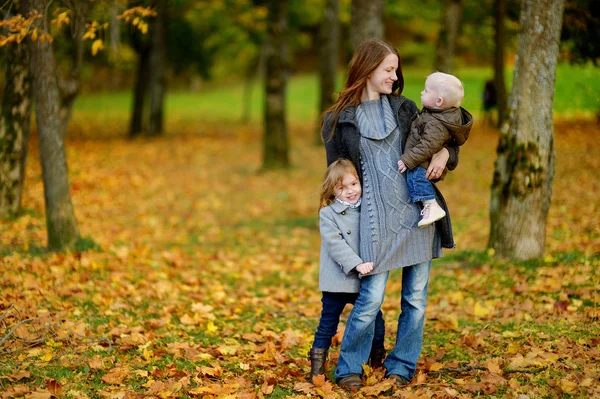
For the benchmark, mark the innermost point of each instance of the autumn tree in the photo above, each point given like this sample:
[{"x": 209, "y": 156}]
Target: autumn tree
[
  {"x": 61, "y": 224},
  {"x": 14, "y": 120},
  {"x": 448, "y": 35},
  {"x": 53, "y": 94},
  {"x": 524, "y": 168},
  {"x": 275, "y": 143},
  {"x": 328, "y": 43},
  {"x": 366, "y": 21}
]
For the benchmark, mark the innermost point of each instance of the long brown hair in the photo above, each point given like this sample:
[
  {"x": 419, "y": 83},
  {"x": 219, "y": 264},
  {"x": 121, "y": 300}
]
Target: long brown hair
[
  {"x": 365, "y": 60},
  {"x": 333, "y": 176}
]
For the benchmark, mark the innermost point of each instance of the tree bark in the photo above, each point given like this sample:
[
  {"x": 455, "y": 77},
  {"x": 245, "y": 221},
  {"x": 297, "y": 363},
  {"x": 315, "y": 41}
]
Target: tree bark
[
  {"x": 366, "y": 21},
  {"x": 500, "y": 44},
  {"x": 329, "y": 42},
  {"x": 524, "y": 169},
  {"x": 448, "y": 36},
  {"x": 60, "y": 217},
  {"x": 157, "y": 79},
  {"x": 275, "y": 154},
  {"x": 14, "y": 126},
  {"x": 70, "y": 86},
  {"x": 136, "y": 125},
  {"x": 114, "y": 32}
]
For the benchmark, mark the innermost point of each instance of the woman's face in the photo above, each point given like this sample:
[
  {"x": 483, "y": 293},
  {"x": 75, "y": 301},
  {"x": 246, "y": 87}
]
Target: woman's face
[{"x": 383, "y": 77}]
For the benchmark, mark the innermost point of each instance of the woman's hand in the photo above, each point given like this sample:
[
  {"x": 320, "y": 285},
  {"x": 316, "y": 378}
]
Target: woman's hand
[{"x": 437, "y": 164}]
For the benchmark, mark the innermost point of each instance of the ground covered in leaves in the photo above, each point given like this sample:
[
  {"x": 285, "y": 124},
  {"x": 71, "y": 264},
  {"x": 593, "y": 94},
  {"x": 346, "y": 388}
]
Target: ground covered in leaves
[{"x": 198, "y": 275}]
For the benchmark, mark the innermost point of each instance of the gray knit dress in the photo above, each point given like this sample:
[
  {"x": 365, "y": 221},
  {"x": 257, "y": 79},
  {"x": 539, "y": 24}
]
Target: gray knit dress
[{"x": 389, "y": 235}]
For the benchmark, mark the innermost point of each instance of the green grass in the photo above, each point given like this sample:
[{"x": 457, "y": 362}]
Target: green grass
[{"x": 577, "y": 93}]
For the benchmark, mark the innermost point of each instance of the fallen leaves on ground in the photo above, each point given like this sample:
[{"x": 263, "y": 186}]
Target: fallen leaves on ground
[{"x": 205, "y": 283}]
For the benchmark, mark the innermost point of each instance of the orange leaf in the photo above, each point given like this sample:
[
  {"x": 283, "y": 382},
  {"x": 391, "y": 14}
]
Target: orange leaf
[
  {"x": 319, "y": 380},
  {"x": 54, "y": 387},
  {"x": 266, "y": 388},
  {"x": 115, "y": 376}
]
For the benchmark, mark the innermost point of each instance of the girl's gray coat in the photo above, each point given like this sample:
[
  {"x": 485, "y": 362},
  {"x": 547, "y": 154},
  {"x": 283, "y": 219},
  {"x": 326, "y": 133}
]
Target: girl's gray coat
[{"x": 339, "y": 248}]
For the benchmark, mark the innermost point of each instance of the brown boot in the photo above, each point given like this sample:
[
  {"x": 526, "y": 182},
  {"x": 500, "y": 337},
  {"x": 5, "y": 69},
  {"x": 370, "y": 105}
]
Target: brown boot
[
  {"x": 318, "y": 357},
  {"x": 377, "y": 357}
]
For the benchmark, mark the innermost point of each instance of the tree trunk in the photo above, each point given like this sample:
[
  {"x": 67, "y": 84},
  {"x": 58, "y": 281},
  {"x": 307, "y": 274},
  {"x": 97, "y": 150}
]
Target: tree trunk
[
  {"x": 114, "y": 32},
  {"x": 275, "y": 153},
  {"x": 448, "y": 36},
  {"x": 500, "y": 43},
  {"x": 157, "y": 79},
  {"x": 60, "y": 217},
  {"x": 14, "y": 127},
  {"x": 366, "y": 21},
  {"x": 140, "y": 89},
  {"x": 70, "y": 86},
  {"x": 524, "y": 170},
  {"x": 329, "y": 41},
  {"x": 253, "y": 73}
]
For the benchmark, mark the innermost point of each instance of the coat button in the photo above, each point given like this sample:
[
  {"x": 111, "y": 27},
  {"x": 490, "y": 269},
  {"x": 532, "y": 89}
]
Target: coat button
[
  {"x": 343, "y": 212},
  {"x": 348, "y": 232}
]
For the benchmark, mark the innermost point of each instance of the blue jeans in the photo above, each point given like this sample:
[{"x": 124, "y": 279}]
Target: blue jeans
[
  {"x": 419, "y": 188},
  {"x": 402, "y": 360},
  {"x": 333, "y": 306}
]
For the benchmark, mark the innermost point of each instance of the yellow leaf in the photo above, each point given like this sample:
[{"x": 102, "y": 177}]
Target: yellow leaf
[
  {"x": 211, "y": 328},
  {"x": 90, "y": 34},
  {"x": 97, "y": 46},
  {"x": 47, "y": 356},
  {"x": 510, "y": 334},
  {"x": 480, "y": 310},
  {"x": 34, "y": 34},
  {"x": 436, "y": 366},
  {"x": 567, "y": 386},
  {"x": 148, "y": 354}
]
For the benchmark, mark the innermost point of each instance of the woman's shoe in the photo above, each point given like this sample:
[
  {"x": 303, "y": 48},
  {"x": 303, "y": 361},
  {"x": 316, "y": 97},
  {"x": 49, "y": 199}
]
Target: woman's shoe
[
  {"x": 352, "y": 382},
  {"x": 318, "y": 357},
  {"x": 399, "y": 380},
  {"x": 377, "y": 357}
]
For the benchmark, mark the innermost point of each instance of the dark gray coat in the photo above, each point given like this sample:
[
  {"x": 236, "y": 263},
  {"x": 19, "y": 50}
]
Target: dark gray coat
[
  {"x": 339, "y": 248},
  {"x": 345, "y": 144}
]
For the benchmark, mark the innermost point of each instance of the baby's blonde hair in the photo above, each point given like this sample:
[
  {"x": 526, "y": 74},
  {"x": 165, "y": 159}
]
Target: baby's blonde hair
[
  {"x": 333, "y": 176},
  {"x": 449, "y": 87}
]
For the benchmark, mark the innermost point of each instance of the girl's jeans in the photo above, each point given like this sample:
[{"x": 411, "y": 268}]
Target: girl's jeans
[
  {"x": 402, "y": 360},
  {"x": 333, "y": 306}
]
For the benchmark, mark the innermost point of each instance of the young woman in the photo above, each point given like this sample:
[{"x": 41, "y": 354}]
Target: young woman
[{"x": 368, "y": 125}]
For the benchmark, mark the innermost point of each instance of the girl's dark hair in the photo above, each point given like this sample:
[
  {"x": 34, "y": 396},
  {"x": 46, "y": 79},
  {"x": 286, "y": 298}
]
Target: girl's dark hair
[{"x": 365, "y": 60}]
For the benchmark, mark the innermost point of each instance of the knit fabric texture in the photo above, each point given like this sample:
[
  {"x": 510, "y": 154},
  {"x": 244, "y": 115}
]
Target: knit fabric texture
[{"x": 389, "y": 235}]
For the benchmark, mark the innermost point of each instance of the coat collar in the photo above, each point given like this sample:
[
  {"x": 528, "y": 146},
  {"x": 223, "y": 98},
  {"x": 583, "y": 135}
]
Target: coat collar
[{"x": 338, "y": 207}]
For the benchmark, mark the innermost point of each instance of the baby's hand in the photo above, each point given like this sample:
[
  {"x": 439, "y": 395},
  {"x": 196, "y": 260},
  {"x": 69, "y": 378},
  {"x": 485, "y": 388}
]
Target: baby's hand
[
  {"x": 401, "y": 166},
  {"x": 365, "y": 268}
]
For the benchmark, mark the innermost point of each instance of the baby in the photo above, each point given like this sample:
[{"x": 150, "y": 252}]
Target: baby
[{"x": 441, "y": 121}]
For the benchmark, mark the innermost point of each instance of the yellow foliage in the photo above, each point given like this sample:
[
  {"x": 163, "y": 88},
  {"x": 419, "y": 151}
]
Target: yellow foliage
[{"x": 98, "y": 45}]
